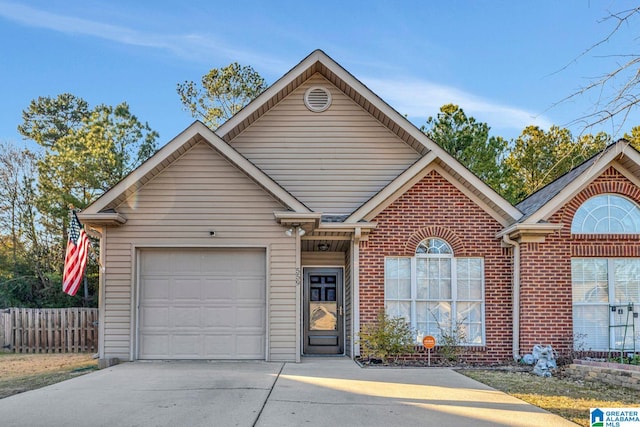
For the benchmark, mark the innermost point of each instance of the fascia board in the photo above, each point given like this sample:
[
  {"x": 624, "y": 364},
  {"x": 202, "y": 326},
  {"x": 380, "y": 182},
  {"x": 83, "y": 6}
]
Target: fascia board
[
  {"x": 146, "y": 167},
  {"x": 250, "y": 169},
  {"x": 377, "y": 102},
  {"x": 219, "y": 145},
  {"x": 279, "y": 85},
  {"x": 391, "y": 192},
  {"x": 474, "y": 197},
  {"x": 102, "y": 218},
  {"x": 414, "y": 174}
]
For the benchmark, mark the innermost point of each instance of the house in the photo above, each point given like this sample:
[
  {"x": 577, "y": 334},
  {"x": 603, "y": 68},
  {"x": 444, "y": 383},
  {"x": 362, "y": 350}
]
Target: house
[{"x": 318, "y": 205}]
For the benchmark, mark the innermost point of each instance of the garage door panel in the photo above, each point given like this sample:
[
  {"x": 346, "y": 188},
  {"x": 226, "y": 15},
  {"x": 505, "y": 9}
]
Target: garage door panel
[
  {"x": 159, "y": 263},
  {"x": 247, "y": 344},
  {"x": 186, "y": 289},
  {"x": 155, "y": 316},
  {"x": 186, "y": 263},
  {"x": 232, "y": 261},
  {"x": 155, "y": 345},
  {"x": 250, "y": 317},
  {"x": 219, "y": 317},
  {"x": 207, "y": 304},
  {"x": 184, "y": 317},
  {"x": 186, "y": 345},
  {"x": 218, "y": 289},
  {"x": 155, "y": 288},
  {"x": 247, "y": 289},
  {"x": 219, "y": 345}
]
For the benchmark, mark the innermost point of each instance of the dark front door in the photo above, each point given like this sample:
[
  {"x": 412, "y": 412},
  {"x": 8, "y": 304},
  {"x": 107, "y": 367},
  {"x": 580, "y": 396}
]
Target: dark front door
[{"x": 323, "y": 311}]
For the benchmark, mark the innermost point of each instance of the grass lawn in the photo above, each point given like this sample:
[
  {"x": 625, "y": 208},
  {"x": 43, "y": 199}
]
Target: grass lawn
[
  {"x": 566, "y": 397},
  {"x": 23, "y": 372}
]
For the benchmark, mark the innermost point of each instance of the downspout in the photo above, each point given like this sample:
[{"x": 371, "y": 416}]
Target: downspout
[
  {"x": 516, "y": 296},
  {"x": 100, "y": 234},
  {"x": 298, "y": 279},
  {"x": 355, "y": 289}
]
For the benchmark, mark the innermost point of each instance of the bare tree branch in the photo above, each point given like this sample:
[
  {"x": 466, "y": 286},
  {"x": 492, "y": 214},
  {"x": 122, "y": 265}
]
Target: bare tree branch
[{"x": 618, "y": 91}]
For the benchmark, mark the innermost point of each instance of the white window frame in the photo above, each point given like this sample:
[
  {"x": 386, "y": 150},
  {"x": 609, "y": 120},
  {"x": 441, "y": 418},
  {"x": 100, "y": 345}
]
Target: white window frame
[
  {"x": 454, "y": 294},
  {"x": 611, "y": 301},
  {"x": 605, "y": 212}
]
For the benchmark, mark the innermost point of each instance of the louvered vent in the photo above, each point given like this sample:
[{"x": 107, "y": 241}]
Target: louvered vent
[{"x": 317, "y": 99}]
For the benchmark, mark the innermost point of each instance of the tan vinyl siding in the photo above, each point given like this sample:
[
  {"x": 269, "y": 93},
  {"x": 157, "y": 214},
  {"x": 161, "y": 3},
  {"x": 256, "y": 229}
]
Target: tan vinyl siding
[
  {"x": 200, "y": 192},
  {"x": 331, "y": 161},
  {"x": 321, "y": 259}
]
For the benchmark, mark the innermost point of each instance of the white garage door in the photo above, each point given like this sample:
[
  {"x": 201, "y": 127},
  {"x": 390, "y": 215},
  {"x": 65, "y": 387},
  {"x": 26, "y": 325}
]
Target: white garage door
[{"x": 202, "y": 304}]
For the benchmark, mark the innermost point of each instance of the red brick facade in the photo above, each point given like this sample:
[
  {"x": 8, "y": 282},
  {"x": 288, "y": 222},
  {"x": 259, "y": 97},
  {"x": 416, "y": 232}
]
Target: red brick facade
[
  {"x": 546, "y": 295},
  {"x": 433, "y": 207}
]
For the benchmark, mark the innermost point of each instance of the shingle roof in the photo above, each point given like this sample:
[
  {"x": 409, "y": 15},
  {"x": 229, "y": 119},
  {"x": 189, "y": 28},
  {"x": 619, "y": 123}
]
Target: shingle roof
[
  {"x": 538, "y": 199},
  {"x": 334, "y": 218}
]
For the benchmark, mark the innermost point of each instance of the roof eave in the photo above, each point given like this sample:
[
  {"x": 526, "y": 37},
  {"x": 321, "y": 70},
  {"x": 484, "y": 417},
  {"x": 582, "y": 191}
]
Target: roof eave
[
  {"x": 529, "y": 232},
  {"x": 102, "y": 218},
  {"x": 228, "y": 152},
  {"x": 581, "y": 181}
]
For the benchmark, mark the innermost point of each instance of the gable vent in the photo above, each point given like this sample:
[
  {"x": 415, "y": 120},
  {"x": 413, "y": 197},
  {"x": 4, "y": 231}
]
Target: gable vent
[{"x": 317, "y": 99}]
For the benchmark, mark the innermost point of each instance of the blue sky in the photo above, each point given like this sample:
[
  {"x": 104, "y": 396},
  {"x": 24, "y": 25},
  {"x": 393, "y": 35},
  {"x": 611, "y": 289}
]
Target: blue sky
[{"x": 505, "y": 62}]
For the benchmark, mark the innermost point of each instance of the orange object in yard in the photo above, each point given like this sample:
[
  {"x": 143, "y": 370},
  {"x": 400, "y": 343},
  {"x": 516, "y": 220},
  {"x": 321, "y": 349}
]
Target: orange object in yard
[{"x": 429, "y": 342}]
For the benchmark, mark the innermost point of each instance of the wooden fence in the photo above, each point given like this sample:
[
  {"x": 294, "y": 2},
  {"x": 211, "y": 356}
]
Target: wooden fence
[{"x": 49, "y": 330}]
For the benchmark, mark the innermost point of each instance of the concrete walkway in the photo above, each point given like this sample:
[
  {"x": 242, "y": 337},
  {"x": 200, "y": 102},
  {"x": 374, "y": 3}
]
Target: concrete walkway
[{"x": 316, "y": 392}]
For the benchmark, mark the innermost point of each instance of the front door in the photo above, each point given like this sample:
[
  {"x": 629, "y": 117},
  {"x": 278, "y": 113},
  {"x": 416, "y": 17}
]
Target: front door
[{"x": 323, "y": 311}]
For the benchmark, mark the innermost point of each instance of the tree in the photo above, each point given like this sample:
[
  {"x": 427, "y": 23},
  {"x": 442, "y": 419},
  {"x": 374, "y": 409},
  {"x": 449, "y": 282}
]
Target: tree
[
  {"x": 222, "y": 93},
  {"x": 85, "y": 152},
  {"x": 469, "y": 142},
  {"x": 47, "y": 119},
  {"x": 539, "y": 157},
  {"x": 93, "y": 157},
  {"x": 634, "y": 137},
  {"x": 23, "y": 257},
  {"x": 617, "y": 91}
]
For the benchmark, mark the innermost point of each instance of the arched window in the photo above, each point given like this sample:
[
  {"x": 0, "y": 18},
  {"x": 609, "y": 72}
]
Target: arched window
[
  {"x": 436, "y": 292},
  {"x": 434, "y": 246},
  {"x": 607, "y": 214}
]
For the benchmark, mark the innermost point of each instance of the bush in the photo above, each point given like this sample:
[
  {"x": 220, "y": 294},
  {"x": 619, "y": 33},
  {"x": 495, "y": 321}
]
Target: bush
[{"x": 388, "y": 337}]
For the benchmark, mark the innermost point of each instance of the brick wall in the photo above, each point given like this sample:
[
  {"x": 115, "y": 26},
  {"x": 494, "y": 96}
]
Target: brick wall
[
  {"x": 546, "y": 297},
  {"x": 433, "y": 207}
]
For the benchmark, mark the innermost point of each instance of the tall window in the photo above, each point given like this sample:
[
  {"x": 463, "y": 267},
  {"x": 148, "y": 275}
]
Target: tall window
[
  {"x": 436, "y": 292},
  {"x": 603, "y": 288},
  {"x": 602, "y": 291},
  {"x": 607, "y": 214}
]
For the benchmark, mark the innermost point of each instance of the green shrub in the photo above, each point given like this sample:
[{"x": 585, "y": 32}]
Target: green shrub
[
  {"x": 451, "y": 341},
  {"x": 388, "y": 337}
]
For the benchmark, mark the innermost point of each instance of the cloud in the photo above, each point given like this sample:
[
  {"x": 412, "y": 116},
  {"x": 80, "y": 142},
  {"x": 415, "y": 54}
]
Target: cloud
[
  {"x": 192, "y": 46},
  {"x": 420, "y": 99}
]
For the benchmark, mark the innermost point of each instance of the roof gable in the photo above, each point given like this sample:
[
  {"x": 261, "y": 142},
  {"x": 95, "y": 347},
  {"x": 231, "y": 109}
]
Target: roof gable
[
  {"x": 333, "y": 161},
  {"x": 503, "y": 213},
  {"x": 194, "y": 134},
  {"x": 544, "y": 202},
  {"x": 319, "y": 62}
]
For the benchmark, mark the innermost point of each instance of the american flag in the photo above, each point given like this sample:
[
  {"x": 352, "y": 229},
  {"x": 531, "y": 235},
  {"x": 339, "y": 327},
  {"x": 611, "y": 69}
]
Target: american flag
[{"x": 75, "y": 260}]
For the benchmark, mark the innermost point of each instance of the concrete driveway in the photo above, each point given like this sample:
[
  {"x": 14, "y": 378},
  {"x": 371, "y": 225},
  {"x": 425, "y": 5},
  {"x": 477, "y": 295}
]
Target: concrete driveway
[{"x": 316, "y": 392}]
